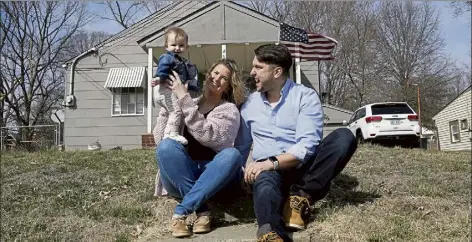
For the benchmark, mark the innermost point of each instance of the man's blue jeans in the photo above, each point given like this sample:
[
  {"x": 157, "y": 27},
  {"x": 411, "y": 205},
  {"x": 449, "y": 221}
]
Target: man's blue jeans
[
  {"x": 311, "y": 180},
  {"x": 195, "y": 181}
]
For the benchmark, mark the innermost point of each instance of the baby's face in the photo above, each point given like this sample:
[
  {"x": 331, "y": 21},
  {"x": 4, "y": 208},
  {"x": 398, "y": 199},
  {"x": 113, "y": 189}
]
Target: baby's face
[{"x": 176, "y": 44}]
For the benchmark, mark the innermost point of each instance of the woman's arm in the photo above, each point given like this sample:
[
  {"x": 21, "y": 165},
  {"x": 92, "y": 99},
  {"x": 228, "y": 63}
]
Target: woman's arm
[
  {"x": 158, "y": 130},
  {"x": 218, "y": 130}
]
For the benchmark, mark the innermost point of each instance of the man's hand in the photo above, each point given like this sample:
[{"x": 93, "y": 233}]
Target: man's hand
[{"x": 253, "y": 170}]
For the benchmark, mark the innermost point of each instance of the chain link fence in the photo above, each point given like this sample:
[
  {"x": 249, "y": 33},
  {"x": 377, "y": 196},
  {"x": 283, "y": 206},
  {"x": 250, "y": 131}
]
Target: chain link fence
[{"x": 30, "y": 138}]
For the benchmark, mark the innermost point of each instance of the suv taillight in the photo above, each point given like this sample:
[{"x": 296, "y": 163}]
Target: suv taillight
[
  {"x": 373, "y": 119},
  {"x": 413, "y": 117}
]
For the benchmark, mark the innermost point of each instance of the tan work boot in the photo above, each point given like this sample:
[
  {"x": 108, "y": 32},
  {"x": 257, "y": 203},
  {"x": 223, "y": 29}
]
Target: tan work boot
[
  {"x": 295, "y": 209},
  {"x": 270, "y": 237},
  {"x": 202, "y": 224},
  {"x": 179, "y": 227}
]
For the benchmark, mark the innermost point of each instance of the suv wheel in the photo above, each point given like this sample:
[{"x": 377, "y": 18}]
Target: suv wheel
[{"x": 359, "y": 137}]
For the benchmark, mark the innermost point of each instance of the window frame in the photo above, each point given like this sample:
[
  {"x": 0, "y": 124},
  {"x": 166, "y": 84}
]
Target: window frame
[
  {"x": 114, "y": 92},
  {"x": 466, "y": 126},
  {"x": 451, "y": 134}
]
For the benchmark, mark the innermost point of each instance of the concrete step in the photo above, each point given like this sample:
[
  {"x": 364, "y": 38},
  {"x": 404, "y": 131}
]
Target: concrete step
[{"x": 242, "y": 232}]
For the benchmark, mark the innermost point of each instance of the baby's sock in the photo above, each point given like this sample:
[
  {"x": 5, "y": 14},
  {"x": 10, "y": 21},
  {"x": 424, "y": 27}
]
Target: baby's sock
[{"x": 179, "y": 138}]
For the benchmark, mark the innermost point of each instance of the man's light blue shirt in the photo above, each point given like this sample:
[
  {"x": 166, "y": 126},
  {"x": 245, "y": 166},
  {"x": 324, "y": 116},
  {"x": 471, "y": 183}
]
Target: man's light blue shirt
[{"x": 293, "y": 125}]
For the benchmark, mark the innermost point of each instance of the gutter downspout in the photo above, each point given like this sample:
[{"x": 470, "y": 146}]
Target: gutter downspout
[{"x": 70, "y": 99}]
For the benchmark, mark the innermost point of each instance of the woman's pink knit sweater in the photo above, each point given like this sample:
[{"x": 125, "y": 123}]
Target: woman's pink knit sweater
[{"x": 217, "y": 131}]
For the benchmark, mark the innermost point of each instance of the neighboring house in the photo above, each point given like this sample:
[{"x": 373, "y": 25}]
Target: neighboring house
[
  {"x": 453, "y": 123},
  {"x": 334, "y": 118},
  {"x": 109, "y": 96}
]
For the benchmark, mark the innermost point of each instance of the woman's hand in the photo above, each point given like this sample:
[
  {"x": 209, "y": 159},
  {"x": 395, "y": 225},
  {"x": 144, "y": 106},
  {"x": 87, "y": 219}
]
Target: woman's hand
[{"x": 176, "y": 85}]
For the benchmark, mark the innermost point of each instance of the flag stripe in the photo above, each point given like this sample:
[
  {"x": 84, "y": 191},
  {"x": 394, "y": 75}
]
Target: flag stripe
[
  {"x": 317, "y": 52},
  {"x": 309, "y": 47},
  {"x": 305, "y": 45},
  {"x": 313, "y": 57}
]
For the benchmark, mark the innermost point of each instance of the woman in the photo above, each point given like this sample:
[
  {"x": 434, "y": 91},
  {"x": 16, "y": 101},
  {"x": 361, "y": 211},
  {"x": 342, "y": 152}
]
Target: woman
[{"x": 209, "y": 162}]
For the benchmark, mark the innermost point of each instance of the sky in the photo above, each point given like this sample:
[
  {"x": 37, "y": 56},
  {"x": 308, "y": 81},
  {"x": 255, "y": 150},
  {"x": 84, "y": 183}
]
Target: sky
[{"x": 456, "y": 31}]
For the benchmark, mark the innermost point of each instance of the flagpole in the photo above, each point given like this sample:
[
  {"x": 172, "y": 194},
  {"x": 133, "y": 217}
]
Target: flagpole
[
  {"x": 298, "y": 74},
  {"x": 319, "y": 82}
]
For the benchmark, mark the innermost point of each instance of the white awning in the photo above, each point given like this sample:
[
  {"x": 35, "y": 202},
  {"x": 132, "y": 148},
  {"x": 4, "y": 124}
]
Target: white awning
[{"x": 126, "y": 77}]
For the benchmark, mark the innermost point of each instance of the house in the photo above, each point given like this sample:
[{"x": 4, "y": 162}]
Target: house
[
  {"x": 109, "y": 98},
  {"x": 334, "y": 118},
  {"x": 453, "y": 123}
]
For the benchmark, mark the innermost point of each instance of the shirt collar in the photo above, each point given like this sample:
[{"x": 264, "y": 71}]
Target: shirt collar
[
  {"x": 173, "y": 54},
  {"x": 283, "y": 93}
]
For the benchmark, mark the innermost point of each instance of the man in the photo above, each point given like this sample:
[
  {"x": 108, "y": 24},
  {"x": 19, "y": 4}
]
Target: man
[{"x": 284, "y": 121}]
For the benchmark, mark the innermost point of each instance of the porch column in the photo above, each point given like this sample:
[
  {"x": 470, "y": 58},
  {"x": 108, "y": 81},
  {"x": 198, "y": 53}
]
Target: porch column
[
  {"x": 223, "y": 51},
  {"x": 298, "y": 73},
  {"x": 149, "y": 91}
]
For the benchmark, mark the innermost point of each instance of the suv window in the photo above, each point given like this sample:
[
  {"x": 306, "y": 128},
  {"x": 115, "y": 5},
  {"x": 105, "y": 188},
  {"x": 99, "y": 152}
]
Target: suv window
[
  {"x": 391, "y": 108},
  {"x": 361, "y": 113},
  {"x": 353, "y": 117}
]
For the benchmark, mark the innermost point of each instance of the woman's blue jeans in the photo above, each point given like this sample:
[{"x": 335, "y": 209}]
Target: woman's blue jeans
[{"x": 195, "y": 181}]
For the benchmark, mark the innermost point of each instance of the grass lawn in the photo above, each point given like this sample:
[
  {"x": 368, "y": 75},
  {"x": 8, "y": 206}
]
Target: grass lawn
[{"x": 384, "y": 194}]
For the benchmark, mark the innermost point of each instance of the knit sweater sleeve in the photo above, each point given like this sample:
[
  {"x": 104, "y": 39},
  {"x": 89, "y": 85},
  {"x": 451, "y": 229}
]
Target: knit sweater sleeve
[
  {"x": 158, "y": 130},
  {"x": 218, "y": 130}
]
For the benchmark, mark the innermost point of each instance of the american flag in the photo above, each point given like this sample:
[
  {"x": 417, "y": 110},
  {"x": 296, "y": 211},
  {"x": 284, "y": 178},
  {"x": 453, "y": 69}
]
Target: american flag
[{"x": 305, "y": 45}]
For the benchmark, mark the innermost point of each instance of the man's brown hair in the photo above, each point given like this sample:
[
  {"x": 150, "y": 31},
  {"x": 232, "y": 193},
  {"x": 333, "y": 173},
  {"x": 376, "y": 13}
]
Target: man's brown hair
[{"x": 178, "y": 33}]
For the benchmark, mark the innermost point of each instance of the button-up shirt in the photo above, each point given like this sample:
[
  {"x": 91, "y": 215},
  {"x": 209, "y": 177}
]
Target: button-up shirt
[{"x": 293, "y": 125}]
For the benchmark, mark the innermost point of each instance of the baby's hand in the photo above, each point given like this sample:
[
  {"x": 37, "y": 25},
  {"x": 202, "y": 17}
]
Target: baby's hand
[{"x": 155, "y": 82}]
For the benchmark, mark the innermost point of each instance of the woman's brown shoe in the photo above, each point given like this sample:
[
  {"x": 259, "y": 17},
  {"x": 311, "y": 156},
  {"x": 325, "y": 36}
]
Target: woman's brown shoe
[
  {"x": 202, "y": 224},
  {"x": 179, "y": 228}
]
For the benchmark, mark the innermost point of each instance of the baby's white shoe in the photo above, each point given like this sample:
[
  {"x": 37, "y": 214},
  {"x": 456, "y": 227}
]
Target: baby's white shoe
[{"x": 179, "y": 138}]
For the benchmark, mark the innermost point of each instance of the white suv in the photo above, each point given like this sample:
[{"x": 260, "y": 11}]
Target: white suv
[{"x": 385, "y": 121}]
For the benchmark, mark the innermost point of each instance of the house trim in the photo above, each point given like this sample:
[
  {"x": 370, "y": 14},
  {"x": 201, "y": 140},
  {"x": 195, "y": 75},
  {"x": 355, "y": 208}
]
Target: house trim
[{"x": 338, "y": 109}]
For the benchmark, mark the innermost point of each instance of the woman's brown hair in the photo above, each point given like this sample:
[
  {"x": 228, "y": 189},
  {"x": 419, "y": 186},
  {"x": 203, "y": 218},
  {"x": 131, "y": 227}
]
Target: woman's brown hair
[{"x": 237, "y": 91}]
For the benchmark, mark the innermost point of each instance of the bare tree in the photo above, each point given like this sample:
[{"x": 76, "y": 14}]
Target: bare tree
[
  {"x": 311, "y": 16},
  {"x": 278, "y": 9},
  {"x": 259, "y": 6},
  {"x": 82, "y": 41},
  {"x": 126, "y": 13},
  {"x": 35, "y": 37},
  {"x": 154, "y": 6},
  {"x": 411, "y": 45},
  {"x": 359, "y": 55},
  {"x": 461, "y": 7},
  {"x": 412, "y": 52}
]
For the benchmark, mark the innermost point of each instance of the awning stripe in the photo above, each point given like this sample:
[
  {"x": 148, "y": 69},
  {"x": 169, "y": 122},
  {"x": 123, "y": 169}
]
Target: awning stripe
[{"x": 126, "y": 77}]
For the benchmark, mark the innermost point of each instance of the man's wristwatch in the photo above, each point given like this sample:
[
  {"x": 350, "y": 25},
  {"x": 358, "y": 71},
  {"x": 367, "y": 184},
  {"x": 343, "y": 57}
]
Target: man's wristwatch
[{"x": 275, "y": 162}]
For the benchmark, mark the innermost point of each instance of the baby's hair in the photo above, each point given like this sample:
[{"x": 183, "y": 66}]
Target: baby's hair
[{"x": 178, "y": 33}]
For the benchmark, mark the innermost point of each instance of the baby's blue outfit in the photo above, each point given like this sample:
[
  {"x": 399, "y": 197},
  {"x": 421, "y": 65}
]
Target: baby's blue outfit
[{"x": 186, "y": 70}]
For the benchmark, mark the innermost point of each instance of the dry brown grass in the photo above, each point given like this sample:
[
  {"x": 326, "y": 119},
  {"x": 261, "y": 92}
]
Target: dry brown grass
[{"x": 385, "y": 194}]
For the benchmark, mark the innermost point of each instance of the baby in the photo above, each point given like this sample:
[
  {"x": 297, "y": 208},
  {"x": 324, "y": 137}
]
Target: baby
[{"x": 176, "y": 43}]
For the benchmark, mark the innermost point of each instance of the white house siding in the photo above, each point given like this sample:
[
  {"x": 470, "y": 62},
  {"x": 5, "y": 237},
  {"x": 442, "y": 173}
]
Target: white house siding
[
  {"x": 336, "y": 117},
  {"x": 459, "y": 109},
  {"x": 92, "y": 119}
]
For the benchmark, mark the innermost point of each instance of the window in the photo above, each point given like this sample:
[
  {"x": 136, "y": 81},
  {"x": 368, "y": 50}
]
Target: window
[
  {"x": 391, "y": 108},
  {"x": 128, "y": 101},
  {"x": 454, "y": 129},
  {"x": 464, "y": 125},
  {"x": 361, "y": 113},
  {"x": 353, "y": 117}
]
